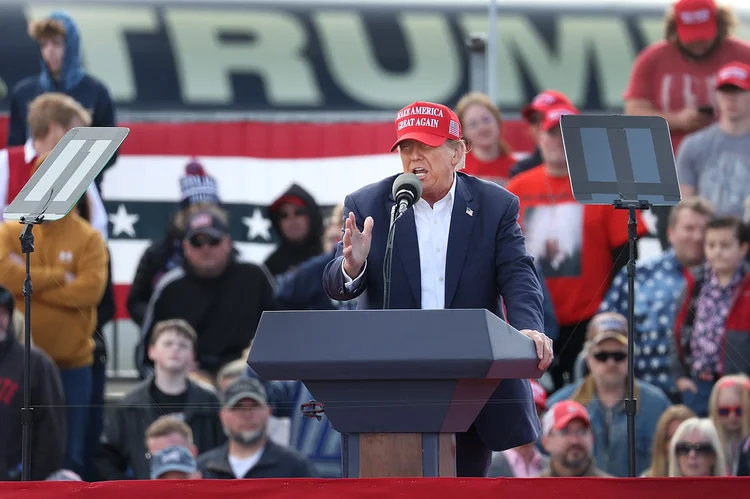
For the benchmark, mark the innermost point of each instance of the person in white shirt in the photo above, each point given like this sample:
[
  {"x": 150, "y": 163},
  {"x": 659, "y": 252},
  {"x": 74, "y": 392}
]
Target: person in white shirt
[{"x": 461, "y": 247}]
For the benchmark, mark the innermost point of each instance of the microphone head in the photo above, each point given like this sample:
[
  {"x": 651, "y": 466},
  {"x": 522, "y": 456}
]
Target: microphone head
[{"x": 407, "y": 182}]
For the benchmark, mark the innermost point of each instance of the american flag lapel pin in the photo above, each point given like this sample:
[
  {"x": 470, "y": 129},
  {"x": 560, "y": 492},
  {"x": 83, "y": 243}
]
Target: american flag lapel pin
[{"x": 469, "y": 212}]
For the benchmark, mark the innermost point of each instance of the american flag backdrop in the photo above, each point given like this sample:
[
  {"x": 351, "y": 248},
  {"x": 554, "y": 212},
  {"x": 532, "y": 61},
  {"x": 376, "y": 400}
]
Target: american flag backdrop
[{"x": 253, "y": 163}]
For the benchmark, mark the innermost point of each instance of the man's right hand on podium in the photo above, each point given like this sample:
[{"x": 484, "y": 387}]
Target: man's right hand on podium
[{"x": 356, "y": 245}]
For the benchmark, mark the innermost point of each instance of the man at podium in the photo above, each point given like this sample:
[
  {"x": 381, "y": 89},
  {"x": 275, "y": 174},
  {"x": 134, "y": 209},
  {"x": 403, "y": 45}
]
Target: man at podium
[{"x": 459, "y": 247}]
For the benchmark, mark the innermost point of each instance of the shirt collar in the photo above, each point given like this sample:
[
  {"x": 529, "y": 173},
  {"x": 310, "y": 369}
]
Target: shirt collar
[{"x": 28, "y": 151}]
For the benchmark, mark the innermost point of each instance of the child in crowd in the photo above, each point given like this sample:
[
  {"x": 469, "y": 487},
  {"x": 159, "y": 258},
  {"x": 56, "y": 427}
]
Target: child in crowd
[{"x": 712, "y": 330}]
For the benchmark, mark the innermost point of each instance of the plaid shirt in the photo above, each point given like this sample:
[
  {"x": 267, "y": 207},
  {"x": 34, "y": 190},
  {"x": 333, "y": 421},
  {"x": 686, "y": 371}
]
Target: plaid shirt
[{"x": 711, "y": 314}]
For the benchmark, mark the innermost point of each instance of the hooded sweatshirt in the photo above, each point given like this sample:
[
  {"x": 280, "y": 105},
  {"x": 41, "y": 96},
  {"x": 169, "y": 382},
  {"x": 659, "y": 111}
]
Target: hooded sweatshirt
[
  {"x": 48, "y": 401},
  {"x": 290, "y": 254},
  {"x": 74, "y": 81},
  {"x": 64, "y": 314}
]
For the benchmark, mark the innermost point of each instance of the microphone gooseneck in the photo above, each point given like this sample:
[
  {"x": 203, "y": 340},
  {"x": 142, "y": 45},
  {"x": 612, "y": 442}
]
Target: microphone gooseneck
[{"x": 407, "y": 189}]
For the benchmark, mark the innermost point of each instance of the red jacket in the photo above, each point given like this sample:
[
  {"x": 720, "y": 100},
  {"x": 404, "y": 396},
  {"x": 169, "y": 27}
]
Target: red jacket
[
  {"x": 14, "y": 171},
  {"x": 735, "y": 348}
]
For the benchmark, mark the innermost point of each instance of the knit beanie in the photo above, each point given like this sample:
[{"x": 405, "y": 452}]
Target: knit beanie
[{"x": 197, "y": 187}]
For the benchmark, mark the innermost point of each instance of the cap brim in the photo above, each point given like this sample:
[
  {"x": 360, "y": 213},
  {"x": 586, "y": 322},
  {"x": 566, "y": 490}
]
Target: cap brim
[
  {"x": 233, "y": 401},
  {"x": 734, "y": 84},
  {"x": 174, "y": 467},
  {"x": 565, "y": 420},
  {"x": 621, "y": 338},
  {"x": 206, "y": 231},
  {"x": 423, "y": 137},
  {"x": 699, "y": 33},
  {"x": 549, "y": 125},
  {"x": 528, "y": 111}
]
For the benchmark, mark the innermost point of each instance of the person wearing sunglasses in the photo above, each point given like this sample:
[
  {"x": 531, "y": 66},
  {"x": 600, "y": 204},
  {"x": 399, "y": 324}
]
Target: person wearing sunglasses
[
  {"x": 221, "y": 297},
  {"x": 729, "y": 410},
  {"x": 602, "y": 392},
  {"x": 696, "y": 450},
  {"x": 298, "y": 221}
]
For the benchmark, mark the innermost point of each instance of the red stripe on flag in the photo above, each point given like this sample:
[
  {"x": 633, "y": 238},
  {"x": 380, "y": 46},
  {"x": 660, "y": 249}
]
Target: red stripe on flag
[
  {"x": 121, "y": 292},
  {"x": 273, "y": 140}
]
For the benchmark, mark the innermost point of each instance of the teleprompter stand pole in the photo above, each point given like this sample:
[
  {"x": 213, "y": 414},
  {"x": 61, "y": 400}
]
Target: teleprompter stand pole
[
  {"x": 27, "y": 413},
  {"x": 630, "y": 401}
]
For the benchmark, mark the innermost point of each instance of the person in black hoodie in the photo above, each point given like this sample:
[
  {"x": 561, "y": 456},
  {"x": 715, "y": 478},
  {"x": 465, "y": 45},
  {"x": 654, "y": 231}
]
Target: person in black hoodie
[
  {"x": 47, "y": 400},
  {"x": 297, "y": 219},
  {"x": 198, "y": 191},
  {"x": 302, "y": 287}
]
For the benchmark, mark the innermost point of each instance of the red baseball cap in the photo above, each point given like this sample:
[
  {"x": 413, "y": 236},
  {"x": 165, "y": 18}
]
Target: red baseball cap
[
  {"x": 552, "y": 116},
  {"x": 540, "y": 396},
  {"x": 696, "y": 20},
  {"x": 562, "y": 413},
  {"x": 544, "y": 101},
  {"x": 735, "y": 74},
  {"x": 427, "y": 122}
]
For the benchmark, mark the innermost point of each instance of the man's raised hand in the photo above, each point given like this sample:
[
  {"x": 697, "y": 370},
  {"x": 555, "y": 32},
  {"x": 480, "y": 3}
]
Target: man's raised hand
[{"x": 356, "y": 245}]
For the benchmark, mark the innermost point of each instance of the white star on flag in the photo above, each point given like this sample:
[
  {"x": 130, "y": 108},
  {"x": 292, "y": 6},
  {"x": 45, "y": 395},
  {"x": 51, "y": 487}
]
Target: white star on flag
[
  {"x": 257, "y": 225},
  {"x": 123, "y": 222}
]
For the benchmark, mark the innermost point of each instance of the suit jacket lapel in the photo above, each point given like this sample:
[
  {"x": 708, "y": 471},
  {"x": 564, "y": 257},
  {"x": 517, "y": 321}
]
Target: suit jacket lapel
[
  {"x": 405, "y": 244},
  {"x": 462, "y": 226}
]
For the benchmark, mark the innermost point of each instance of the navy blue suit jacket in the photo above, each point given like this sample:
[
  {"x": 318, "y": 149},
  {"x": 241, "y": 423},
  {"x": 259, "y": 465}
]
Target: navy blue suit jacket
[{"x": 486, "y": 260}]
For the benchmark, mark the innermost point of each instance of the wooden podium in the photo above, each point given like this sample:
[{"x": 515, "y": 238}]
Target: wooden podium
[
  {"x": 378, "y": 455},
  {"x": 397, "y": 384}
]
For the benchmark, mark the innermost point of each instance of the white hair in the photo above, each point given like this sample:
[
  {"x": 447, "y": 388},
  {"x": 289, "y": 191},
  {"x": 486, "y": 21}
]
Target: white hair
[{"x": 706, "y": 429}]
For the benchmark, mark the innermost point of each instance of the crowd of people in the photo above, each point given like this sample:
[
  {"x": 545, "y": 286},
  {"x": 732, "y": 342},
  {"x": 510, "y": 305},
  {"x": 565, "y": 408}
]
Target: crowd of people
[{"x": 200, "y": 412}]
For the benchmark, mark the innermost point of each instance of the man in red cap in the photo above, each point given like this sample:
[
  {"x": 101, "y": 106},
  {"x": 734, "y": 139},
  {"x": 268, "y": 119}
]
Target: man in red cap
[
  {"x": 459, "y": 247},
  {"x": 558, "y": 231},
  {"x": 533, "y": 114},
  {"x": 674, "y": 78},
  {"x": 568, "y": 439},
  {"x": 714, "y": 162}
]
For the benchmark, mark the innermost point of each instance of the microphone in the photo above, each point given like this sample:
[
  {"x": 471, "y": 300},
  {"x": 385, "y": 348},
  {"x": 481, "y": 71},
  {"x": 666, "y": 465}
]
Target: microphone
[{"x": 407, "y": 189}]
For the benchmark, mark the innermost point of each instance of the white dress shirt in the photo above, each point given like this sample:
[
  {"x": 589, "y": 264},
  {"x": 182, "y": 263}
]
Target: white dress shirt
[
  {"x": 99, "y": 219},
  {"x": 433, "y": 228}
]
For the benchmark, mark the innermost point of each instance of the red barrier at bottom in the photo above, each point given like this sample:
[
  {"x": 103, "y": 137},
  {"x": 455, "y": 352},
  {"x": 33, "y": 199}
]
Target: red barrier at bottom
[{"x": 423, "y": 488}]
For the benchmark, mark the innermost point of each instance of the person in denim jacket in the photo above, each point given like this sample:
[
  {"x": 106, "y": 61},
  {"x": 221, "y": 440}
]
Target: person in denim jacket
[{"x": 602, "y": 393}]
